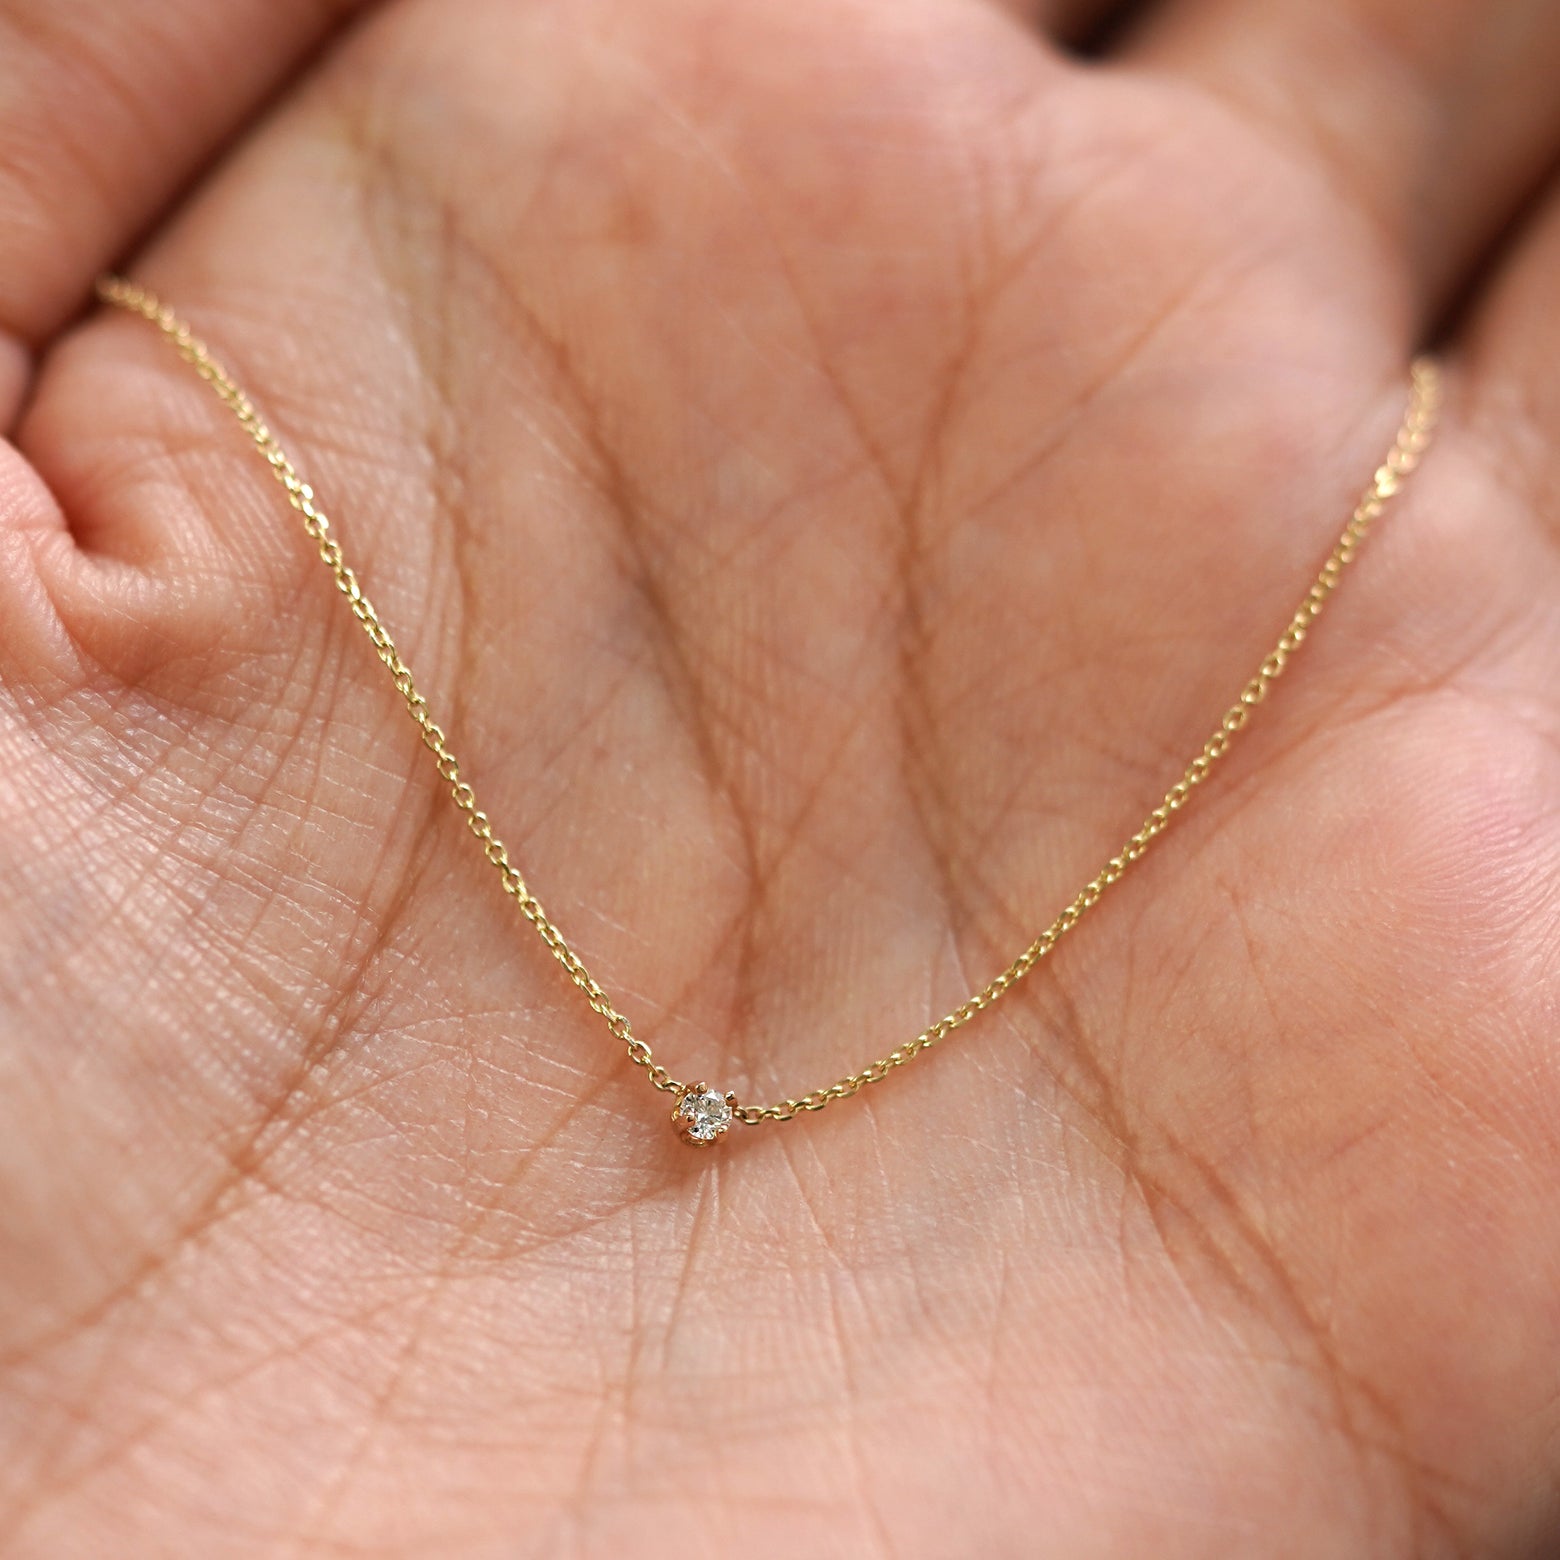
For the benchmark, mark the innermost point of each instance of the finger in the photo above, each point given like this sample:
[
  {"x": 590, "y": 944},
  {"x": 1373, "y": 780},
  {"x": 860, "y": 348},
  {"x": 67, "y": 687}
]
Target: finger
[
  {"x": 1436, "y": 120},
  {"x": 105, "y": 111},
  {"x": 1511, "y": 343}
]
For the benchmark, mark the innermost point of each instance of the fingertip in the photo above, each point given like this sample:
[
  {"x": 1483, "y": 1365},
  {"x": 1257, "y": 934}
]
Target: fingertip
[
  {"x": 35, "y": 652},
  {"x": 166, "y": 546}
]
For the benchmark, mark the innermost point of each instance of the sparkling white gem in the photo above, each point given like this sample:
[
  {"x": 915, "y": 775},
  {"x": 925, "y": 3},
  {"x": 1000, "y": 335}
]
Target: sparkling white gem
[{"x": 703, "y": 1114}]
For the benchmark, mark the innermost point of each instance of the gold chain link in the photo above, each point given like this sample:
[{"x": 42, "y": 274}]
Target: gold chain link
[{"x": 1412, "y": 440}]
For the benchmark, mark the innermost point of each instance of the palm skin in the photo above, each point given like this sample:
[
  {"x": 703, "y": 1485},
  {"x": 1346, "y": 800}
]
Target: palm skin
[{"x": 829, "y": 467}]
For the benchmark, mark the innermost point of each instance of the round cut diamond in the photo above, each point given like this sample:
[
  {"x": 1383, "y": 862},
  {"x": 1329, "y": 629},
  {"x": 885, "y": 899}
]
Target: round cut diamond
[{"x": 703, "y": 1114}]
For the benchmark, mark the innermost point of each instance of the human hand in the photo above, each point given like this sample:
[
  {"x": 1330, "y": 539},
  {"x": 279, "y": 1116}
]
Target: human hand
[{"x": 829, "y": 466}]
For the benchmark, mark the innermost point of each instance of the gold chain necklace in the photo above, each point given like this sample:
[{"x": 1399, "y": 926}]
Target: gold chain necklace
[{"x": 702, "y": 1114}]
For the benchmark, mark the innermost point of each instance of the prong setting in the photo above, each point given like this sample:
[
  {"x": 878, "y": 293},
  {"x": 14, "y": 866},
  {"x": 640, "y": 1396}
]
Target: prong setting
[{"x": 702, "y": 1115}]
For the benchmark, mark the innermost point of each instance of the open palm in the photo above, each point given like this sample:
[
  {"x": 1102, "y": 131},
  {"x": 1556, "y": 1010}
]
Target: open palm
[{"x": 829, "y": 465}]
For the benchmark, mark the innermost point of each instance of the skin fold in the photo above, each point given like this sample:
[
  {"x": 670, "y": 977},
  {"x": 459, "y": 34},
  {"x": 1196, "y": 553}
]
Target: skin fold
[{"x": 829, "y": 465}]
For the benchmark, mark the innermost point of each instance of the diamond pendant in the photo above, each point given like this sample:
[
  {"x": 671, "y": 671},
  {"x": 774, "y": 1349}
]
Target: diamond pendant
[{"x": 702, "y": 1115}]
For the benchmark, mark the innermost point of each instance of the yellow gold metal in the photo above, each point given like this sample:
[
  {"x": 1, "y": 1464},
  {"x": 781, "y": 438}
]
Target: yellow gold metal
[{"x": 1412, "y": 440}]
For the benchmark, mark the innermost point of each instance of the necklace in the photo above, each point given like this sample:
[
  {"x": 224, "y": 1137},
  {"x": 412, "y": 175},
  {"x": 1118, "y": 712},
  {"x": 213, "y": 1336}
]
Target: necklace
[{"x": 702, "y": 1114}]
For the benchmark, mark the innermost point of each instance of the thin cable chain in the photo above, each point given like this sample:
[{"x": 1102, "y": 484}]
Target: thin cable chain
[{"x": 1412, "y": 440}]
